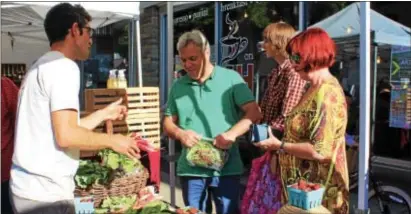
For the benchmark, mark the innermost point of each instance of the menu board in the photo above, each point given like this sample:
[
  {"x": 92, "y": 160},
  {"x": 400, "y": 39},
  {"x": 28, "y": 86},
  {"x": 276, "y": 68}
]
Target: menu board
[
  {"x": 400, "y": 64},
  {"x": 400, "y": 111}
]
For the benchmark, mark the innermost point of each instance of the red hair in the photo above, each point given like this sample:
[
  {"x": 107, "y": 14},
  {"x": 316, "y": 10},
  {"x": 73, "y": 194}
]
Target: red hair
[{"x": 315, "y": 49}]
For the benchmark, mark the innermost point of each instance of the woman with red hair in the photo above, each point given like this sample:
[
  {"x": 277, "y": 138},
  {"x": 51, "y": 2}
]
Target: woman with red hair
[{"x": 313, "y": 148}]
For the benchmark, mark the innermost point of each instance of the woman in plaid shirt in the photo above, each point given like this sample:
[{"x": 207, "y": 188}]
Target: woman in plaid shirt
[{"x": 285, "y": 87}]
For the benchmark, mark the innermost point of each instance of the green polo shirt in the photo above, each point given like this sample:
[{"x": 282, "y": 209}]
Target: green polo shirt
[{"x": 209, "y": 109}]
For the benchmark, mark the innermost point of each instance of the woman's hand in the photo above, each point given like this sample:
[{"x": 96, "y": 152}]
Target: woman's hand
[
  {"x": 306, "y": 151},
  {"x": 270, "y": 144}
]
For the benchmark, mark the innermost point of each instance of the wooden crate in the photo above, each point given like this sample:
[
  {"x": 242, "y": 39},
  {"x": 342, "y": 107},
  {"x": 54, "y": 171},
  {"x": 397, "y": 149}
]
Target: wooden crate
[{"x": 143, "y": 106}]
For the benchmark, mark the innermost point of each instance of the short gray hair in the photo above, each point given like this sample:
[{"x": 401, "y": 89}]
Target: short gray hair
[{"x": 194, "y": 36}]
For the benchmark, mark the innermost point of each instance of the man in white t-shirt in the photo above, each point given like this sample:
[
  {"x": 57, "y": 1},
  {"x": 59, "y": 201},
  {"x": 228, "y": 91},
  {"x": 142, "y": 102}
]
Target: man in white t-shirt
[{"x": 49, "y": 134}]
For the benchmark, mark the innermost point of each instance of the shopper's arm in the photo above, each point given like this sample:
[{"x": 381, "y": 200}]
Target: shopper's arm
[
  {"x": 252, "y": 115},
  {"x": 170, "y": 127},
  {"x": 303, "y": 150},
  {"x": 187, "y": 137}
]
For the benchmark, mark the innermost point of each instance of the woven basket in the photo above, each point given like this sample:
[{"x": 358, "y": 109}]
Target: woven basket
[{"x": 124, "y": 186}]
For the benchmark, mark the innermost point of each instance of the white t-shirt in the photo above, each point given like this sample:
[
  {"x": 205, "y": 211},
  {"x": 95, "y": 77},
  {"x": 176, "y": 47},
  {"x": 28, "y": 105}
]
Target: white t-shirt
[{"x": 41, "y": 170}]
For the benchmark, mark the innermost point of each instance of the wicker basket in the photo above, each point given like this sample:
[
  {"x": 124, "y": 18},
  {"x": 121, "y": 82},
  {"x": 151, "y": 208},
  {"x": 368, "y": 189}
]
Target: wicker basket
[{"x": 124, "y": 186}]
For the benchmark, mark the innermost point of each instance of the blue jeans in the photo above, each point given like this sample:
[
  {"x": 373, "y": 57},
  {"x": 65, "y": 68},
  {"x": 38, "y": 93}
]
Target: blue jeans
[{"x": 224, "y": 190}]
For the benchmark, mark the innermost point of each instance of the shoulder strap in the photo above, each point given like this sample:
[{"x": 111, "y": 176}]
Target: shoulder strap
[{"x": 334, "y": 157}]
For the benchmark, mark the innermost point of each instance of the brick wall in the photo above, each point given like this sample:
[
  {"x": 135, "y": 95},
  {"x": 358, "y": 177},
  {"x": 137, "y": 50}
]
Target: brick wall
[{"x": 150, "y": 45}]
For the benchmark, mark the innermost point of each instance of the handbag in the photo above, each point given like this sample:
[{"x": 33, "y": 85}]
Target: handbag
[{"x": 263, "y": 191}]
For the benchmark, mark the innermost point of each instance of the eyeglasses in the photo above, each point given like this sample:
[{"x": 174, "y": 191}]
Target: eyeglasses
[
  {"x": 295, "y": 58},
  {"x": 90, "y": 31}
]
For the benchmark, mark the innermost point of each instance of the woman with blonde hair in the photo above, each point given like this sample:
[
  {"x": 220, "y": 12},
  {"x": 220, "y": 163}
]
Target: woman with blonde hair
[
  {"x": 284, "y": 91},
  {"x": 285, "y": 87}
]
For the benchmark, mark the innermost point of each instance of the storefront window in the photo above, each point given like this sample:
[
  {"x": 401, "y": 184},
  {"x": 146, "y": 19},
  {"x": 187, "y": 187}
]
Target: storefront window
[
  {"x": 109, "y": 50},
  {"x": 196, "y": 18},
  {"x": 242, "y": 27}
]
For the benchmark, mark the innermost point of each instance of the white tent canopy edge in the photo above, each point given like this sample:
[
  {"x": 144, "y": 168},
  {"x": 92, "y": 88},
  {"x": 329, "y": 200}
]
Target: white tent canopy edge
[{"x": 25, "y": 31}]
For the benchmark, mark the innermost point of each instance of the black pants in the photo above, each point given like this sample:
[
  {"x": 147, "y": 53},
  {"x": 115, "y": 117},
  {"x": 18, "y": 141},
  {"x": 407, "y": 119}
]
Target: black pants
[{"x": 5, "y": 198}]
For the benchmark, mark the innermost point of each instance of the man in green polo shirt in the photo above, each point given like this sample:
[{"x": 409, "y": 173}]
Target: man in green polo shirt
[{"x": 212, "y": 102}]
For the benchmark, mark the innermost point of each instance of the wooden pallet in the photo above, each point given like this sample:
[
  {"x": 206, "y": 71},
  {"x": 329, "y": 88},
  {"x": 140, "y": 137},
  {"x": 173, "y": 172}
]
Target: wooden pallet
[{"x": 143, "y": 106}]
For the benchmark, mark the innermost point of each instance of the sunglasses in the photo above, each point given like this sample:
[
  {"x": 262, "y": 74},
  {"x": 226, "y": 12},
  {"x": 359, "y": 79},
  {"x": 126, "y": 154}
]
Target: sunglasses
[{"x": 295, "y": 58}]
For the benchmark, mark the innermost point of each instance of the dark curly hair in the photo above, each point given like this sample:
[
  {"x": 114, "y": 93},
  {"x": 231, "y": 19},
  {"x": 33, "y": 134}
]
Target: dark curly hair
[{"x": 61, "y": 17}]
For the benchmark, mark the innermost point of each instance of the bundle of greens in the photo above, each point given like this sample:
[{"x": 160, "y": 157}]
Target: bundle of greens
[
  {"x": 90, "y": 172},
  {"x": 154, "y": 207},
  {"x": 120, "y": 162},
  {"x": 205, "y": 154},
  {"x": 116, "y": 204}
]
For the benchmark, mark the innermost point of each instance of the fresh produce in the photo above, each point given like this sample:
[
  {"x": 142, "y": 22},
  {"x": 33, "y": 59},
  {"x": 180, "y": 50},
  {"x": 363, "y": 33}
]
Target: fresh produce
[
  {"x": 90, "y": 172},
  {"x": 306, "y": 186},
  {"x": 188, "y": 210},
  {"x": 154, "y": 207},
  {"x": 117, "y": 161},
  {"x": 116, "y": 204},
  {"x": 113, "y": 165},
  {"x": 146, "y": 196},
  {"x": 204, "y": 154}
]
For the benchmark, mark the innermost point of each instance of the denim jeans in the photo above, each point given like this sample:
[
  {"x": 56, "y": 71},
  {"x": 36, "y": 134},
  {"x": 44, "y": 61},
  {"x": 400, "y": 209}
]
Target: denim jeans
[{"x": 224, "y": 190}]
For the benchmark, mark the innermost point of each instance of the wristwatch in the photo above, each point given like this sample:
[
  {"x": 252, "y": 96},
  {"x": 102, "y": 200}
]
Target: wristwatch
[{"x": 281, "y": 150}]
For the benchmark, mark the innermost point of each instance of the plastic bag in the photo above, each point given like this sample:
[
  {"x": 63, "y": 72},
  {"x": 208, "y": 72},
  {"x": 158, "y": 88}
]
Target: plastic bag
[{"x": 205, "y": 154}]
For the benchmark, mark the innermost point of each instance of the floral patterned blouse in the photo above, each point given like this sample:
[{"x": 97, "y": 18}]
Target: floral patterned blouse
[{"x": 319, "y": 118}]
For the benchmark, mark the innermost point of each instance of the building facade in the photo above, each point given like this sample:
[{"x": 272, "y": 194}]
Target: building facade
[{"x": 234, "y": 30}]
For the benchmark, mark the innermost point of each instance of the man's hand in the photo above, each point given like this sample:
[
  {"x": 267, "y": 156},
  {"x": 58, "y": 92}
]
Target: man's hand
[
  {"x": 224, "y": 141},
  {"x": 188, "y": 138},
  {"x": 125, "y": 145},
  {"x": 115, "y": 111}
]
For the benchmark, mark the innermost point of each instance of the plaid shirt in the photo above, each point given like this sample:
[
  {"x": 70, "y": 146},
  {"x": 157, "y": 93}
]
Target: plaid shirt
[{"x": 284, "y": 91}]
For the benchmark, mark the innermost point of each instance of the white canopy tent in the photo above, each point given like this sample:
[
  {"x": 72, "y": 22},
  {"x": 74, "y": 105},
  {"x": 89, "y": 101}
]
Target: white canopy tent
[{"x": 23, "y": 33}]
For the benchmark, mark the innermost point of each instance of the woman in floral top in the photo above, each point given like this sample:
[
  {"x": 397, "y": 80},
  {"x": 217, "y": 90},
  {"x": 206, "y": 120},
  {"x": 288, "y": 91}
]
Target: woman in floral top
[{"x": 315, "y": 128}]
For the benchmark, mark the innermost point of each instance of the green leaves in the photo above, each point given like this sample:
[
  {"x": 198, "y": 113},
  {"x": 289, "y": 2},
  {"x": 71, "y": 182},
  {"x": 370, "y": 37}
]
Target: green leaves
[
  {"x": 155, "y": 207},
  {"x": 113, "y": 161},
  {"x": 118, "y": 203},
  {"x": 118, "y": 161},
  {"x": 114, "y": 165},
  {"x": 90, "y": 172}
]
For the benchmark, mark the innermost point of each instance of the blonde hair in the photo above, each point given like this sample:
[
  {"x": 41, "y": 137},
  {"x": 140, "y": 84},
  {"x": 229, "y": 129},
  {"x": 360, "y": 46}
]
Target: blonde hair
[
  {"x": 279, "y": 34},
  {"x": 194, "y": 36}
]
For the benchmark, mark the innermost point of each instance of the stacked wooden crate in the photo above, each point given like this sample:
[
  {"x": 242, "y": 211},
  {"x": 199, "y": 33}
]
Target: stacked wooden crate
[{"x": 143, "y": 104}]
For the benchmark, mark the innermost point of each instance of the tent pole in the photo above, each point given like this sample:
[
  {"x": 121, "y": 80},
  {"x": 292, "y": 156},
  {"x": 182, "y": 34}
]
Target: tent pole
[
  {"x": 374, "y": 93},
  {"x": 170, "y": 72},
  {"x": 302, "y": 16},
  {"x": 365, "y": 87},
  {"x": 138, "y": 46},
  {"x": 131, "y": 56}
]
